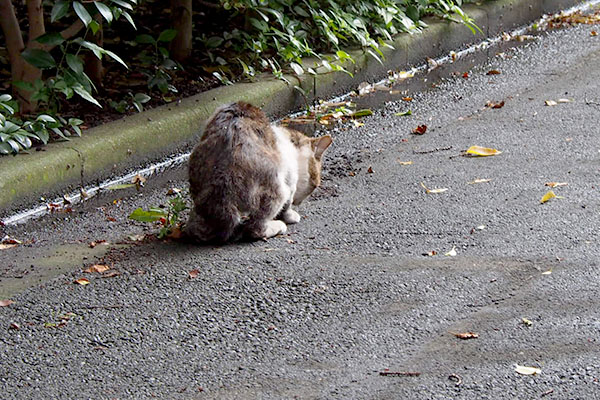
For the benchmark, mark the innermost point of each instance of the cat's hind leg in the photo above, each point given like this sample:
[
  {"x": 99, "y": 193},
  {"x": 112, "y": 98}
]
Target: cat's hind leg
[{"x": 264, "y": 229}]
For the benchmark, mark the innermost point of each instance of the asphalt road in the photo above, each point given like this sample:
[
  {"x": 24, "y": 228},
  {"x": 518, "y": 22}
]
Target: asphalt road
[{"x": 349, "y": 293}]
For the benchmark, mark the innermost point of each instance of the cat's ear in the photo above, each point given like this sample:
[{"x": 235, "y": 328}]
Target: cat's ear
[{"x": 321, "y": 144}]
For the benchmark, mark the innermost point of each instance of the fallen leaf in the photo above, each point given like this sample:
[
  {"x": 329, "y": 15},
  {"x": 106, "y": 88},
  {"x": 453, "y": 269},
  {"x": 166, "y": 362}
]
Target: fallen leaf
[
  {"x": 522, "y": 38},
  {"x": 361, "y": 113},
  {"x": 556, "y": 184},
  {"x": 111, "y": 274},
  {"x": 550, "y": 103},
  {"x": 431, "y": 253},
  {"x": 480, "y": 227},
  {"x": 96, "y": 243},
  {"x": 527, "y": 370},
  {"x": 547, "y": 272},
  {"x": 14, "y": 326},
  {"x": 370, "y": 170},
  {"x": 407, "y": 98},
  {"x": 493, "y": 104},
  {"x": 357, "y": 124},
  {"x": 564, "y": 100},
  {"x": 548, "y": 196},
  {"x": 6, "y": 303},
  {"x": 451, "y": 253},
  {"x": 453, "y": 56},
  {"x": 442, "y": 190},
  {"x": 352, "y": 173},
  {"x": 493, "y": 72},
  {"x": 137, "y": 238},
  {"x": 405, "y": 162},
  {"x": 479, "y": 181},
  {"x": 593, "y": 33},
  {"x": 482, "y": 151},
  {"x": 8, "y": 240},
  {"x": 121, "y": 186},
  {"x": 403, "y": 114},
  {"x": 466, "y": 335},
  {"x": 6, "y": 246},
  {"x": 173, "y": 191},
  {"x": 97, "y": 268},
  {"x": 193, "y": 273},
  {"x": 419, "y": 130},
  {"x": 527, "y": 322},
  {"x": 465, "y": 75},
  {"x": 82, "y": 281}
]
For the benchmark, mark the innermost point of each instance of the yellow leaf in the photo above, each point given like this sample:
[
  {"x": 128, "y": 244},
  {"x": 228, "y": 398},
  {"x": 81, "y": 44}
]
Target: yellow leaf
[
  {"x": 82, "y": 281},
  {"x": 547, "y": 272},
  {"x": 550, "y": 103},
  {"x": 479, "y": 181},
  {"x": 482, "y": 151},
  {"x": 526, "y": 322},
  {"x": 405, "y": 162},
  {"x": 6, "y": 246},
  {"x": 527, "y": 370},
  {"x": 548, "y": 196}
]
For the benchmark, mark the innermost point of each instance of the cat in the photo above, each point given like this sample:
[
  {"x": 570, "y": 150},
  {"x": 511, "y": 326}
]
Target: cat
[{"x": 246, "y": 173}]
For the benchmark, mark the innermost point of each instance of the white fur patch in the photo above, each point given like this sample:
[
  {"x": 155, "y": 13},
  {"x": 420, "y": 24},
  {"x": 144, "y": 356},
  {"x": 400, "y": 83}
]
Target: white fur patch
[{"x": 288, "y": 169}]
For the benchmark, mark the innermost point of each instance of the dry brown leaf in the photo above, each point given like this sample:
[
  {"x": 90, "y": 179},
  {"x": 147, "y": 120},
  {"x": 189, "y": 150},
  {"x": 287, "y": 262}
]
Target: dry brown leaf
[
  {"x": 465, "y": 75},
  {"x": 593, "y": 33},
  {"x": 111, "y": 274},
  {"x": 82, "y": 281},
  {"x": 556, "y": 184},
  {"x": 97, "y": 268},
  {"x": 493, "y": 104},
  {"x": 14, "y": 326},
  {"x": 370, "y": 170},
  {"x": 431, "y": 253},
  {"x": 466, "y": 335},
  {"x": 407, "y": 98},
  {"x": 193, "y": 274},
  {"x": 6, "y": 303},
  {"x": 493, "y": 72},
  {"x": 8, "y": 240},
  {"x": 420, "y": 130}
]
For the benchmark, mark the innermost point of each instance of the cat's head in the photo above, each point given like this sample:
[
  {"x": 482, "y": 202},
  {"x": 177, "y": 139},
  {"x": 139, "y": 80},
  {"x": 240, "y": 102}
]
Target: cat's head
[{"x": 309, "y": 164}]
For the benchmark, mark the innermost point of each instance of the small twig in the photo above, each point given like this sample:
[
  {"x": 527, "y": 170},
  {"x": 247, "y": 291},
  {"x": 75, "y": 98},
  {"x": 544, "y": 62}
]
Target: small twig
[
  {"x": 455, "y": 378},
  {"x": 399, "y": 373},
  {"x": 433, "y": 150},
  {"x": 547, "y": 392}
]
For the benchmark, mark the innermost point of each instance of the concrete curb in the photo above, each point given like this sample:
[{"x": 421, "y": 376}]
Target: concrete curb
[{"x": 111, "y": 149}]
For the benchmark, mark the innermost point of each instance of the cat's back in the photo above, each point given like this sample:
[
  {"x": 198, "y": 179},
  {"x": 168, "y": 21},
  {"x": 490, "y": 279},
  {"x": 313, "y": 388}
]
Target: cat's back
[{"x": 238, "y": 143}]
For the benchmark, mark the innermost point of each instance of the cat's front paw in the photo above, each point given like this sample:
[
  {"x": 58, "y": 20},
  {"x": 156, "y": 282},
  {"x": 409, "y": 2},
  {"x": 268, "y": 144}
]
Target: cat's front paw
[
  {"x": 290, "y": 216},
  {"x": 274, "y": 228}
]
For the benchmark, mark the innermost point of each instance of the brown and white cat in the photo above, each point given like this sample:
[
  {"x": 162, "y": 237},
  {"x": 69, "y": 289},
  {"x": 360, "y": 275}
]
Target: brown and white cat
[{"x": 245, "y": 174}]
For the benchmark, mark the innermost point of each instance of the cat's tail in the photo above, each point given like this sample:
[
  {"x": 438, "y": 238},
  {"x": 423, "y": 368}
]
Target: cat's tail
[{"x": 221, "y": 226}]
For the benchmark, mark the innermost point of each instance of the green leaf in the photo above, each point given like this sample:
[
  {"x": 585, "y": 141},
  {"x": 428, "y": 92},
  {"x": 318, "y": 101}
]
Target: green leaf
[
  {"x": 59, "y": 10},
  {"x": 82, "y": 13},
  {"x": 24, "y": 141},
  {"x": 45, "y": 118},
  {"x": 403, "y": 114},
  {"x": 75, "y": 63},
  {"x": 5, "y": 148},
  {"x": 298, "y": 70},
  {"x": 28, "y": 87},
  {"x": 145, "y": 39},
  {"x": 86, "y": 95},
  {"x": 13, "y": 145},
  {"x": 94, "y": 26},
  {"x": 361, "y": 113},
  {"x": 39, "y": 58},
  {"x": 147, "y": 216},
  {"x": 129, "y": 19},
  {"x": 141, "y": 98},
  {"x": 213, "y": 42},
  {"x": 105, "y": 11},
  {"x": 167, "y": 35},
  {"x": 97, "y": 50},
  {"x": 51, "y": 39},
  {"x": 123, "y": 4},
  {"x": 116, "y": 58}
]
